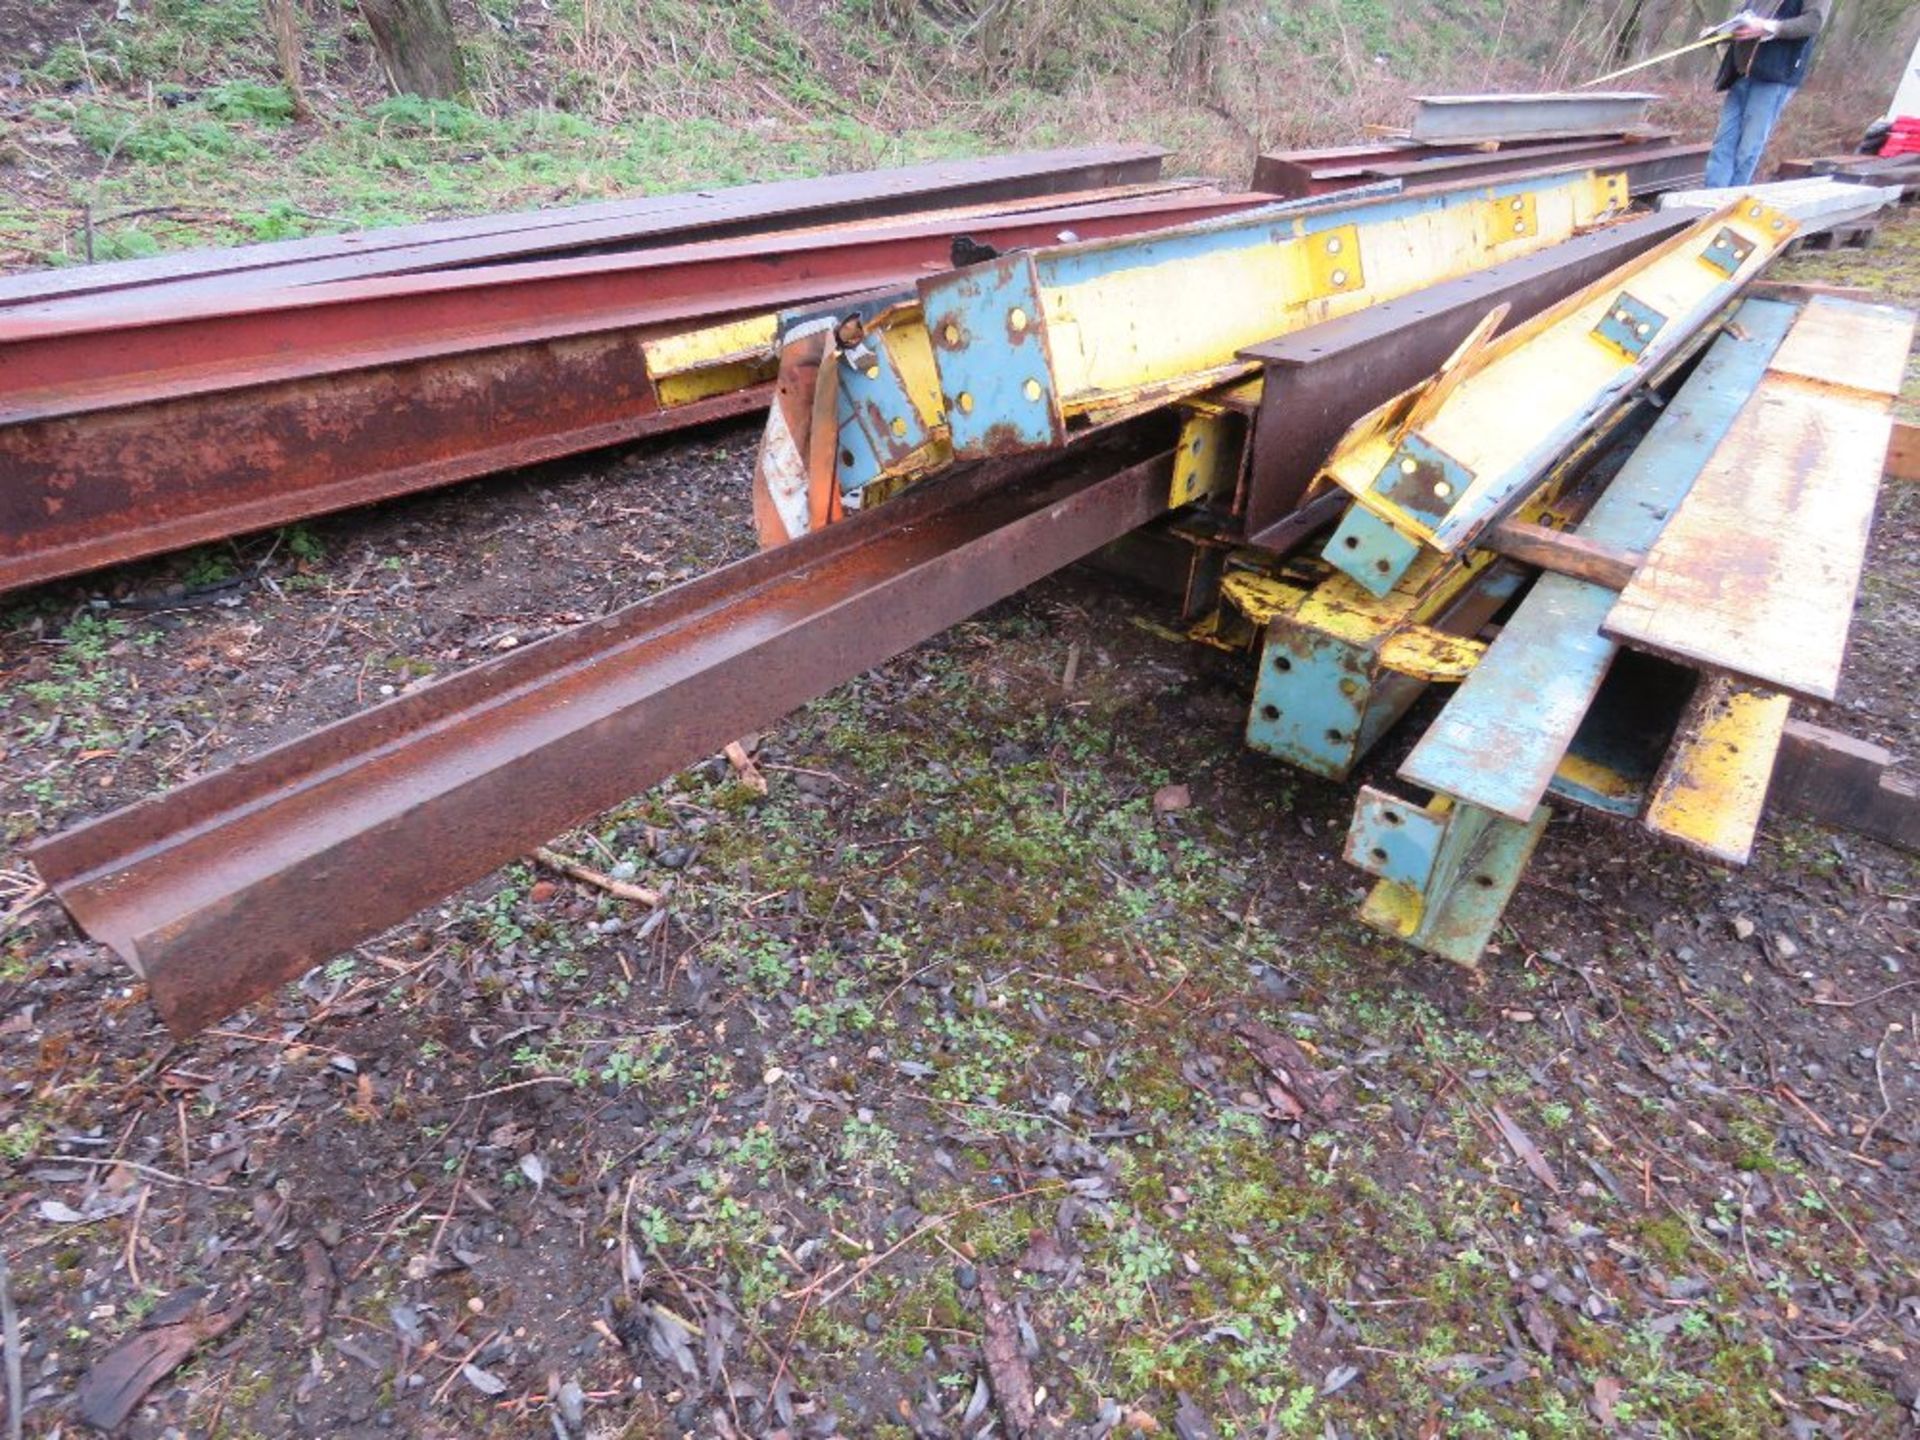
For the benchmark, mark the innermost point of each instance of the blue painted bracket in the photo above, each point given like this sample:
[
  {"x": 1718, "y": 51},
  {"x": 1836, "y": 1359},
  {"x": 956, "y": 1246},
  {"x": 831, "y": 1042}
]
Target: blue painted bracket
[
  {"x": 1472, "y": 867},
  {"x": 998, "y": 391},
  {"x": 1371, "y": 551},
  {"x": 1321, "y": 701},
  {"x": 881, "y": 429},
  {"x": 1393, "y": 840}
]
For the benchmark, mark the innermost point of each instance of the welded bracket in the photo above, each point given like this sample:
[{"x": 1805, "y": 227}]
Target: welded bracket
[
  {"x": 1371, "y": 550},
  {"x": 890, "y": 420},
  {"x": 1206, "y": 462},
  {"x": 1727, "y": 251},
  {"x": 1333, "y": 262},
  {"x": 1629, "y": 326},
  {"x": 988, "y": 332},
  {"x": 1514, "y": 217},
  {"x": 1422, "y": 479},
  {"x": 1392, "y": 840}
]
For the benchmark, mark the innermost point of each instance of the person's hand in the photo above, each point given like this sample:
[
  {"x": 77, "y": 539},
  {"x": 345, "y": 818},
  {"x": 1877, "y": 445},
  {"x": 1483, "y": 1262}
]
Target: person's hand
[{"x": 1756, "y": 30}]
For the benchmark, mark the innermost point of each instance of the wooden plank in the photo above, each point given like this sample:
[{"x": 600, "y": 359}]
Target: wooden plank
[
  {"x": 1502, "y": 736},
  {"x": 1837, "y": 780},
  {"x": 1798, "y": 292},
  {"x": 1903, "y": 451},
  {"x": 1847, "y": 343},
  {"x": 1709, "y": 793},
  {"x": 1755, "y": 574},
  {"x": 1575, "y": 556}
]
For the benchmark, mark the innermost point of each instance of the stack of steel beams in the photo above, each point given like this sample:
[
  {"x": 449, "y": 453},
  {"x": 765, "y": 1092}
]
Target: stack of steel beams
[
  {"x": 1438, "y": 393},
  {"x": 171, "y": 416},
  {"x": 998, "y": 181},
  {"x": 1652, "y": 161}
]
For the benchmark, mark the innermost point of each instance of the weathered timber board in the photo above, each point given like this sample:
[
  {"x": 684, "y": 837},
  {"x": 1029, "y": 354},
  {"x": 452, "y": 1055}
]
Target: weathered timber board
[
  {"x": 1503, "y": 734},
  {"x": 1755, "y": 575}
]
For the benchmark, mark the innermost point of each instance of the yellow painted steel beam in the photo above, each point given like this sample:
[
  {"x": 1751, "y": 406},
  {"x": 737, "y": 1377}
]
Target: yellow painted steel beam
[
  {"x": 1710, "y": 791},
  {"x": 1030, "y": 342},
  {"x": 1431, "y": 469}
]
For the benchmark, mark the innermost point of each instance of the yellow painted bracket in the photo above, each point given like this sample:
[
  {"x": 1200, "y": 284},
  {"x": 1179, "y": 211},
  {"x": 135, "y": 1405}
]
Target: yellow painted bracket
[
  {"x": 1432, "y": 655},
  {"x": 715, "y": 360}
]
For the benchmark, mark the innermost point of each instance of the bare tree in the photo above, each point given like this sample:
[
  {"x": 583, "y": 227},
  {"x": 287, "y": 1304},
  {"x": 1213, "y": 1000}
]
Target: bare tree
[
  {"x": 283, "y": 19},
  {"x": 1196, "y": 49},
  {"x": 418, "y": 47}
]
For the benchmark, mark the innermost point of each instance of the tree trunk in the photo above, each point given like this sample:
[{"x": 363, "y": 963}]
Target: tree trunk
[
  {"x": 1196, "y": 49},
  {"x": 283, "y": 19},
  {"x": 1628, "y": 35},
  {"x": 417, "y": 47}
]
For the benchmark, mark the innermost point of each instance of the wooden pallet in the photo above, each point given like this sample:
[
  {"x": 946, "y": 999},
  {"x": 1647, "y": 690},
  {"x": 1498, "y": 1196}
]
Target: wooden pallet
[{"x": 1852, "y": 235}]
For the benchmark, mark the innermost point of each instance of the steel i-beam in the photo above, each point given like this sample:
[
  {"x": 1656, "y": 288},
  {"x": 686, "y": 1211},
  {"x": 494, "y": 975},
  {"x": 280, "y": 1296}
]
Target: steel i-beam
[
  {"x": 187, "y": 422},
  {"x": 219, "y": 890},
  {"x": 1013, "y": 353},
  {"x": 1430, "y": 471}
]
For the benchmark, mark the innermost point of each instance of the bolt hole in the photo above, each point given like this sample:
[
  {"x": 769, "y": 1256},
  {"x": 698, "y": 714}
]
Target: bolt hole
[
  {"x": 1485, "y": 882},
  {"x": 1382, "y": 566},
  {"x": 1392, "y": 817},
  {"x": 1282, "y": 663},
  {"x": 1379, "y": 855},
  {"x": 1338, "y": 737},
  {"x": 1269, "y": 712},
  {"x": 1353, "y": 542}
]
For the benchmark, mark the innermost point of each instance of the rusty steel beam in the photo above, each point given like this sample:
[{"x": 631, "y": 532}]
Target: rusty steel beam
[
  {"x": 580, "y": 229},
  {"x": 1651, "y": 164},
  {"x": 228, "y": 886},
  {"x": 170, "y": 348},
  {"x": 188, "y": 424}
]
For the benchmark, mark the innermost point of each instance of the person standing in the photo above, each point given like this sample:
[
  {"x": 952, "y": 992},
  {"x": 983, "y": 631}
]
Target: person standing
[{"x": 1759, "y": 71}]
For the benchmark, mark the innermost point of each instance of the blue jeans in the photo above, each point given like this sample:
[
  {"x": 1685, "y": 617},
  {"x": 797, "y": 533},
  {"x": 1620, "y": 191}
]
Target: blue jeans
[{"x": 1746, "y": 120}]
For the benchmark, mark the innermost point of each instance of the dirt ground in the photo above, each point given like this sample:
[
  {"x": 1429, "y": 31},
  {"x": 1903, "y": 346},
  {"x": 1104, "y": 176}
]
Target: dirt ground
[{"x": 942, "y": 1087}]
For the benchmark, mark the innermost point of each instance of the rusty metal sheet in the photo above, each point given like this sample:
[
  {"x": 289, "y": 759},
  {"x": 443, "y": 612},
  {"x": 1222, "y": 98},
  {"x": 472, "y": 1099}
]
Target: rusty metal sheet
[
  {"x": 228, "y": 886},
  {"x": 577, "y": 229}
]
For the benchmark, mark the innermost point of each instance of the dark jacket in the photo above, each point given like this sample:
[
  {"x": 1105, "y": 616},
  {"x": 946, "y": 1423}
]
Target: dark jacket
[{"x": 1782, "y": 60}]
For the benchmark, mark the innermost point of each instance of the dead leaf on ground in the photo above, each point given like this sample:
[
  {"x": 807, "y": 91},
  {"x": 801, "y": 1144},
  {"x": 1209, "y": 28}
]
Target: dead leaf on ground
[
  {"x": 113, "y": 1389},
  {"x": 1190, "y": 1423},
  {"x": 1540, "y": 1327},
  {"x": 1169, "y": 798},
  {"x": 316, "y": 1290},
  {"x": 1528, "y": 1152},
  {"x": 1606, "y": 1393}
]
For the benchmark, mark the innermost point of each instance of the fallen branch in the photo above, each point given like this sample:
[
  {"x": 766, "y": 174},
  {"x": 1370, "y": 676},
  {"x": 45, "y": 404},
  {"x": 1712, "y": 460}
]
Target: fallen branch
[
  {"x": 587, "y": 875},
  {"x": 10, "y": 1332},
  {"x": 743, "y": 767}
]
